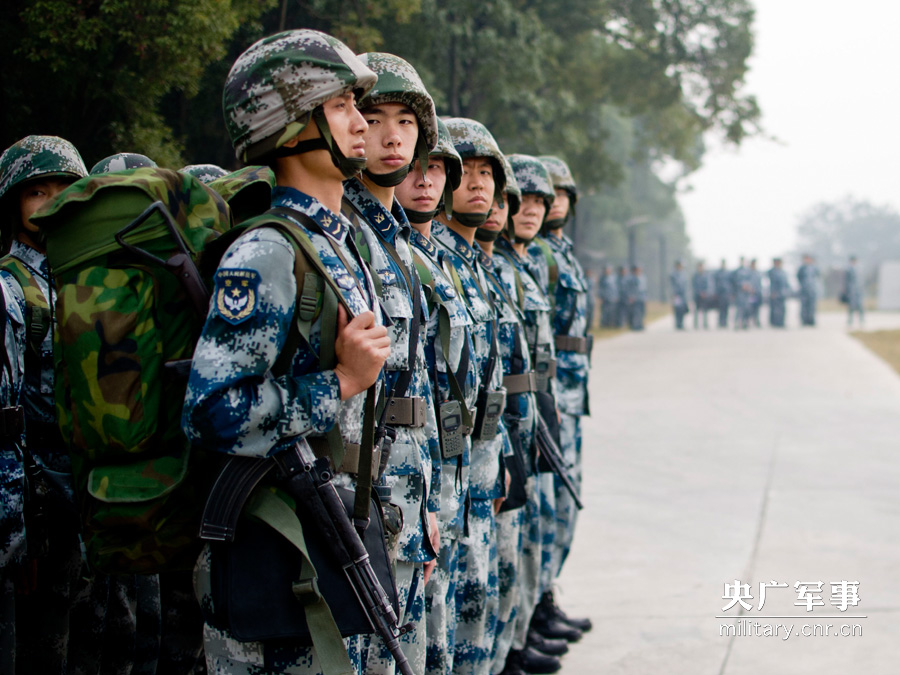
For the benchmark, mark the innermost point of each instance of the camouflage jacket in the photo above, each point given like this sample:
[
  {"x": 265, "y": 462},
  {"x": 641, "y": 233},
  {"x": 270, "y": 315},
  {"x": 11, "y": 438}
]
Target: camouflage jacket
[
  {"x": 570, "y": 317},
  {"x": 415, "y": 460},
  {"x": 679, "y": 284},
  {"x": 234, "y": 404},
  {"x": 701, "y": 284},
  {"x": 444, "y": 298},
  {"x": 807, "y": 276},
  {"x": 38, "y": 386},
  {"x": 608, "y": 288},
  {"x": 484, "y": 472},
  {"x": 12, "y": 475},
  {"x": 779, "y": 287}
]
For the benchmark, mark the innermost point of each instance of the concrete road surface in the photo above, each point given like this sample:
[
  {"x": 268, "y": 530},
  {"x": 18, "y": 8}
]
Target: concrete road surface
[{"x": 720, "y": 457}]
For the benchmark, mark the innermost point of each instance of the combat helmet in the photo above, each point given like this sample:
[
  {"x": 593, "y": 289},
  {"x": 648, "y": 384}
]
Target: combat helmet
[
  {"x": 31, "y": 158},
  {"x": 398, "y": 82},
  {"x": 513, "y": 195},
  {"x": 453, "y": 169},
  {"x": 122, "y": 161},
  {"x": 533, "y": 178},
  {"x": 205, "y": 173},
  {"x": 472, "y": 139},
  {"x": 278, "y": 86},
  {"x": 562, "y": 178}
]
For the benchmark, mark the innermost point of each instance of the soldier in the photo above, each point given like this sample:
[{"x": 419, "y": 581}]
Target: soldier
[
  {"x": 779, "y": 290},
  {"x": 12, "y": 471},
  {"x": 722, "y": 285},
  {"x": 450, "y": 354},
  {"x": 636, "y": 294},
  {"x": 608, "y": 291},
  {"x": 742, "y": 291},
  {"x": 808, "y": 277},
  {"x": 622, "y": 318},
  {"x": 853, "y": 292},
  {"x": 289, "y": 101},
  {"x": 702, "y": 289},
  {"x": 570, "y": 297},
  {"x": 679, "y": 283},
  {"x": 477, "y": 600},
  {"x": 402, "y": 124},
  {"x": 205, "y": 173},
  {"x": 756, "y": 296}
]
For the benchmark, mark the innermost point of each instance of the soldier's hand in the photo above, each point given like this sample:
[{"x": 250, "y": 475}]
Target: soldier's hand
[
  {"x": 434, "y": 537},
  {"x": 361, "y": 348}
]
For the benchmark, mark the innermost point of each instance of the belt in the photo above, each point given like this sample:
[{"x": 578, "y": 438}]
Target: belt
[
  {"x": 579, "y": 345},
  {"x": 12, "y": 422},
  {"x": 546, "y": 368},
  {"x": 410, "y": 411},
  {"x": 520, "y": 384}
]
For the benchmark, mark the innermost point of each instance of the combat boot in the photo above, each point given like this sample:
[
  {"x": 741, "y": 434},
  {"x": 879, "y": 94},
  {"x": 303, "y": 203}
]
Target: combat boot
[
  {"x": 547, "y": 601},
  {"x": 546, "y": 645},
  {"x": 532, "y": 661},
  {"x": 546, "y": 623}
]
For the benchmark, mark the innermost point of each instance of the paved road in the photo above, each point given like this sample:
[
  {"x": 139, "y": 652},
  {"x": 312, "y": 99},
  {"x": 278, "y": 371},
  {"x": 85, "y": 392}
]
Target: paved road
[{"x": 720, "y": 456}]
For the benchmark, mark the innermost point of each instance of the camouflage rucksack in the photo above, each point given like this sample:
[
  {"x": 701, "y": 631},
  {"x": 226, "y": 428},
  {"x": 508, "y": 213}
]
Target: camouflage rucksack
[{"x": 122, "y": 249}]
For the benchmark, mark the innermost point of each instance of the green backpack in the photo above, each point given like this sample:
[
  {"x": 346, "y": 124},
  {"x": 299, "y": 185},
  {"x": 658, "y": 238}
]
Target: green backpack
[{"x": 123, "y": 249}]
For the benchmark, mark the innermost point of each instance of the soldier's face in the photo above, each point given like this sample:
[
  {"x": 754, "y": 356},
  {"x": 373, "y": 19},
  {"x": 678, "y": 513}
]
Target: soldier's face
[
  {"x": 37, "y": 193},
  {"x": 530, "y": 217},
  {"x": 560, "y": 207},
  {"x": 391, "y": 137},
  {"x": 348, "y": 128},
  {"x": 476, "y": 190},
  {"x": 423, "y": 194},
  {"x": 499, "y": 215}
]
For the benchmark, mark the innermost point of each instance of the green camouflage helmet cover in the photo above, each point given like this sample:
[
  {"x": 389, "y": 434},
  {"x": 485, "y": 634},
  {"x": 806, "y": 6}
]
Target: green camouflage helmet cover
[
  {"x": 37, "y": 157},
  {"x": 205, "y": 173},
  {"x": 446, "y": 149},
  {"x": 533, "y": 178},
  {"x": 472, "y": 139},
  {"x": 275, "y": 85},
  {"x": 122, "y": 161},
  {"x": 513, "y": 193},
  {"x": 398, "y": 82},
  {"x": 561, "y": 175},
  {"x": 248, "y": 191}
]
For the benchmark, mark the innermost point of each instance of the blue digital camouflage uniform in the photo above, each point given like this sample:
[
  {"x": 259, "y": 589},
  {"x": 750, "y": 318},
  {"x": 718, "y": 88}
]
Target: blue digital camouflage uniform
[
  {"x": 569, "y": 300},
  {"x": 779, "y": 290},
  {"x": 808, "y": 276},
  {"x": 477, "y": 582},
  {"x": 679, "y": 285},
  {"x": 514, "y": 273},
  {"x": 447, "y": 307},
  {"x": 702, "y": 290},
  {"x": 413, "y": 470},
  {"x": 636, "y": 296},
  {"x": 756, "y": 296},
  {"x": 722, "y": 285},
  {"x": 12, "y": 475},
  {"x": 853, "y": 293},
  {"x": 608, "y": 291},
  {"x": 622, "y": 304},
  {"x": 742, "y": 288},
  {"x": 235, "y": 405}
]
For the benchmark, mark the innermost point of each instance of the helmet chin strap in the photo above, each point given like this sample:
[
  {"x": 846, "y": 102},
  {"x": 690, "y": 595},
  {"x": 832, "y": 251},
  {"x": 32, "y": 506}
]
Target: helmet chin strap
[
  {"x": 394, "y": 178},
  {"x": 486, "y": 235},
  {"x": 555, "y": 224},
  {"x": 471, "y": 219},
  {"x": 348, "y": 166},
  {"x": 420, "y": 216}
]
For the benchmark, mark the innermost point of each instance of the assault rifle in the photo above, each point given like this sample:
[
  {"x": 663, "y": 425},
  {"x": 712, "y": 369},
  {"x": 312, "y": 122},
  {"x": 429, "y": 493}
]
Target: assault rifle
[{"x": 552, "y": 455}]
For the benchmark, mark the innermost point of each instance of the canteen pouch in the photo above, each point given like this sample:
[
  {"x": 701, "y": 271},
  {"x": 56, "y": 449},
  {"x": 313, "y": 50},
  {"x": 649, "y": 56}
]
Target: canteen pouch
[{"x": 252, "y": 580}]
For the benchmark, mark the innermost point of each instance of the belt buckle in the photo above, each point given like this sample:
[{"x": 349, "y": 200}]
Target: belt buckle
[{"x": 419, "y": 411}]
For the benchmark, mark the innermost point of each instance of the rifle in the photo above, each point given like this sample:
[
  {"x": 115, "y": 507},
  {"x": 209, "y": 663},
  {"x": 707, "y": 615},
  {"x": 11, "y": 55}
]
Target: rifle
[
  {"x": 308, "y": 480},
  {"x": 552, "y": 455}
]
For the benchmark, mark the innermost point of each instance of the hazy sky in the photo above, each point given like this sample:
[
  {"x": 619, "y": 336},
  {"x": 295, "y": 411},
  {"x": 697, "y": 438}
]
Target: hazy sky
[{"x": 827, "y": 77}]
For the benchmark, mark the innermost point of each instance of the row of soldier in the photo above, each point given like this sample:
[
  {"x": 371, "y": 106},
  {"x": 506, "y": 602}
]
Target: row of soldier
[{"x": 465, "y": 330}]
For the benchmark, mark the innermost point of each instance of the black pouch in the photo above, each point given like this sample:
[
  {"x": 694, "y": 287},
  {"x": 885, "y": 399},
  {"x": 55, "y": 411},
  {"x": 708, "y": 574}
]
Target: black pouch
[
  {"x": 252, "y": 580},
  {"x": 515, "y": 464},
  {"x": 546, "y": 405}
]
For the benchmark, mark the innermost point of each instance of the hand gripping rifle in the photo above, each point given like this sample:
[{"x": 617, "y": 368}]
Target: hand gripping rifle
[
  {"x": 552, "y": 455},
  {"x": 308, "y": 480}
]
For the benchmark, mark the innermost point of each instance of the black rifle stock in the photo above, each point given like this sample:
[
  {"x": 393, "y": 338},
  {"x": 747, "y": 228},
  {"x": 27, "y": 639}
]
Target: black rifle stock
[
  {"x": 309, "y": 482},
  {"x": 553, "y": 456}
]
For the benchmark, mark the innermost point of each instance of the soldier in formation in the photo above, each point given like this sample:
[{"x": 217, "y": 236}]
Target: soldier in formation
[
  {"x": 678, "y": 284},
  {"x": 853, "y": 292},
  {"x": 702, "y": 288},
  {"x": 808, "y": 280}
]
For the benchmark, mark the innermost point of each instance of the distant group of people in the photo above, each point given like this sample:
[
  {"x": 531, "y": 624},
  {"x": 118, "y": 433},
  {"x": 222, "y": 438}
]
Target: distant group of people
[
  {"x": 743, "y": 288},
  {"x": 623, "y": 297}
]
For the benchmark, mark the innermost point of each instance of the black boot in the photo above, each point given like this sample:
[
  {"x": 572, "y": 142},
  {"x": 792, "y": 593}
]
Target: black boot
[
  {"x": 533, "y": 661},
  {"x": 545, "y": 622},
  {"x": 546, "y": 645},
  {"x": 547, "y": 601},
  {"x": 513, "y": 664}
]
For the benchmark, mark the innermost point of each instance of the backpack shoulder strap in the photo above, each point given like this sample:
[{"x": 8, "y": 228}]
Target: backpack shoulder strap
[
  {"x": 552, "y": 265},
  {"x": 37, "y": 308}
]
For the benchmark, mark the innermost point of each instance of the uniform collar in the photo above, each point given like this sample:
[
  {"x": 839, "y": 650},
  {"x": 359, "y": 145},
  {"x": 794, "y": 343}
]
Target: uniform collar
[
  {"x": 334, "y": 225},
  {"x": 387, "y": 224},
  {"x": 421, "y": 242},
  {"x": 30, "y": 256},
  {"x": 459, "y": 245},
  {"x": 562, "y": 243}
]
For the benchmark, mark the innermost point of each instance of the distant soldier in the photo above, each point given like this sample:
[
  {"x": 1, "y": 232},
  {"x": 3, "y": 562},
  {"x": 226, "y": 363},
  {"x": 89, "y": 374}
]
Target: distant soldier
[
  {"x": 702, "y": 289},
  {"x": 621, "y": 311},
  {"x": 608, "y": 292},
  {"x": 779, "y": 290},
  {"x": 636, "y": 296},
  {"x": 808, "y": 276},
  {"x": 742, "y": 290},
  {"x": 723, "y": 293},
  {"x": 756, "y": 293},
  {"x": 679, "y": 283},
  {"x": 853, "y": 292}
]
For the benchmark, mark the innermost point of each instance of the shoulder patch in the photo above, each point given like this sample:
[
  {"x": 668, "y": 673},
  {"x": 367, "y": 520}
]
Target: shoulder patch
[{"x": 236, "y": 294}]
